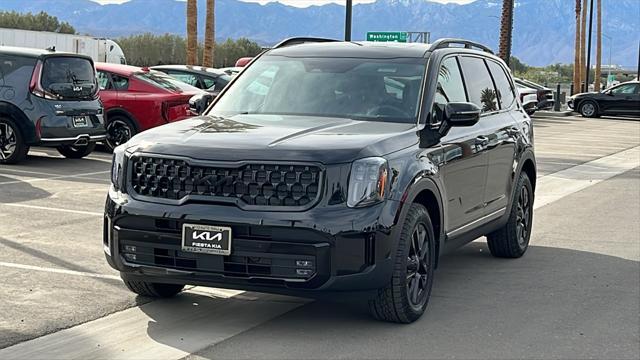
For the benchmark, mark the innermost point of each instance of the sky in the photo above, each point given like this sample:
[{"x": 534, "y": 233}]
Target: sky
[{"x": 302, "y": 3}]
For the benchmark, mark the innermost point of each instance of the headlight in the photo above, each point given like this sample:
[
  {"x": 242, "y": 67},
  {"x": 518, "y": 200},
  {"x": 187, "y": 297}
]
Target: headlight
[
  {"x": 367, "y": 182},
  {"x": 116, "y": 167}
]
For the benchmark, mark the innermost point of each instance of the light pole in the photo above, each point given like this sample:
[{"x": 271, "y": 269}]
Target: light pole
[
  {"x": 610, "y": 39},
  {"x": 347, "y": 21}
]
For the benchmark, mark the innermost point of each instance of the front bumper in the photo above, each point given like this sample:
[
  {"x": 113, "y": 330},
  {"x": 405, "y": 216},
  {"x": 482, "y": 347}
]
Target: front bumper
[{"x": 345, "y": 250}]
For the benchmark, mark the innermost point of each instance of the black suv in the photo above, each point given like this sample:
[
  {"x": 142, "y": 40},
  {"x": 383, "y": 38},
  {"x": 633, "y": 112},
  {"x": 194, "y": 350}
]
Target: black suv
[
  {"x": 329, "y": 167},
  {"x": 47, "y": 99}
]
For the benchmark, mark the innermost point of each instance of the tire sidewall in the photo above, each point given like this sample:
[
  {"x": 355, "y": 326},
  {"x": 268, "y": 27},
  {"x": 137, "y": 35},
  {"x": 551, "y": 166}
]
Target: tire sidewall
[
  {"x": 133, "y": 130},
  {"x": 522, "y": 181},
  {"x": 592, "y": 103},
  {"x": 400, "y": 279},
  {"x": 21, "y": 148}
]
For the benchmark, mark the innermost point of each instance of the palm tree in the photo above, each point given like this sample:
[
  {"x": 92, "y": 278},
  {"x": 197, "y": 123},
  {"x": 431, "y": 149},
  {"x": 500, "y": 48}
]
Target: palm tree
[
  {"x": 209, "y": 35},
  {"x": 577, "y": 51},
  {"x": 596, "y": 84},
  {"x": 192, "y": 32},
  {"x": 583, "y": 45},
  {"x": 506, "y": 26}
]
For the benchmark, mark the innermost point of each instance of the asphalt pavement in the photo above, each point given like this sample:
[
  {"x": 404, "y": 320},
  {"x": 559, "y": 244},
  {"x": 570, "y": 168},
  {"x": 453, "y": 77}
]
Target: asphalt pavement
[{"x": 575, "y": 294}]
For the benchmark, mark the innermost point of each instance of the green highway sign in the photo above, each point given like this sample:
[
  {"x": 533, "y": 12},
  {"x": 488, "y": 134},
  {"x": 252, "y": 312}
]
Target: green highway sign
[{"x": 387, "y": 36}]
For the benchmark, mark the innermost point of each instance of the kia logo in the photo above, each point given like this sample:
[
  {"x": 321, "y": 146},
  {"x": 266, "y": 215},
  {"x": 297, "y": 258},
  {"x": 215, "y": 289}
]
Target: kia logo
[
  {"x": 206, "y": 235},
  {"x": 77, "y": 88}
]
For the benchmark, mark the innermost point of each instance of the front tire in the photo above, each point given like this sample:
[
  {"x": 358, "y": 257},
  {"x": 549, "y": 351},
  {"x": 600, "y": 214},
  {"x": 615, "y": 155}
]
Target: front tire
[
  {"x": 76, "y": 152},
  {"x": 12, "y": 145},
  {"x": 512, "y": 240},
  {"x": 157, "y": 290},
  {"x": 405, "y": 298},
  {"x": 589, "y": 108}
]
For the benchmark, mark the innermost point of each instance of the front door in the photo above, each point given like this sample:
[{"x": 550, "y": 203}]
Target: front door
[{"x": 623, "y": 99}]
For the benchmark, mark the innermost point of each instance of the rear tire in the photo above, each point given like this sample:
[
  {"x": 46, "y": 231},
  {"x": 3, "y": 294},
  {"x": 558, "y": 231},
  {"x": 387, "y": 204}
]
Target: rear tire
[
  {"x": 119, "y": 130},
  {"x": 156, "y": 290},
  {"x": 12, "y": 145},
  {"x": 589, "y": 108},
  {"x": 76, "y": 152},
  {"x": 512, "y": 240},
  {"x": 405, "y": 298}
]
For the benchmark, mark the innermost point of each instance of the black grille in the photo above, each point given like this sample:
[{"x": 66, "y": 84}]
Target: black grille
[{"x": 252, "y": 184}]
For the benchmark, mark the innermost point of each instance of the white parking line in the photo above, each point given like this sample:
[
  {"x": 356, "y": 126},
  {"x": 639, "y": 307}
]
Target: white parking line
[
  {"x": 54, "y": 178},
  {"x": 172, "y": 329},
  {"x": 35, "y": 207},
  {"x": 58, "y": 271}
]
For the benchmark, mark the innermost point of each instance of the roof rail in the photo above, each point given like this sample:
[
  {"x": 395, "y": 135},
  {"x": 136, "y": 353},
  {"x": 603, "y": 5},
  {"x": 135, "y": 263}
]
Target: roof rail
[
  {"x": 446, "y": 42},
  {"x": 301, "y": 40}
]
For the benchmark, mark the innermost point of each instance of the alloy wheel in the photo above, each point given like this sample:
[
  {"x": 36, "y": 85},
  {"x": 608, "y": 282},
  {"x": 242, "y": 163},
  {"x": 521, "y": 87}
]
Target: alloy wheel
[
  {"x": 8, "y": 141},
  {"x": 523, "y": 217},
  {"x": 588, "y": 109},
  {"x": 418, "y": 267},
  {"x": 118, "y": 133}
]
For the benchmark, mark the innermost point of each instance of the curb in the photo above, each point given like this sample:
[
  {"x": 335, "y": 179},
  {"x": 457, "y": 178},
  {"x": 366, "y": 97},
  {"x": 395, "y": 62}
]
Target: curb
[{"x": 553, "y": 113}]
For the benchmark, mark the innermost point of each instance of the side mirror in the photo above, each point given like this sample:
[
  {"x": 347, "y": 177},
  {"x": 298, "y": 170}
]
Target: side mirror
[
  {"x": 461, "y": 114},
  {"x": 199, "y": 103}
]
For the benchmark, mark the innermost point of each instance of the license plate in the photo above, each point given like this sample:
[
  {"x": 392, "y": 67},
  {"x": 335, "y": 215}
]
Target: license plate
[
  {"x": 206, "y": 239},
  {"x": 80, "y": 121}
]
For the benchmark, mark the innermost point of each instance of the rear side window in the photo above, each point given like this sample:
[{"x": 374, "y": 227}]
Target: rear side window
[
  {"x": 15, "y": 70},
  {"x": 185, "y": 77},
  {"x": 479, "y": 84},
  {"x": 120, "y": 82},
  {"x": 505, "y": 91},
  {"x": 164, "y": 81}
]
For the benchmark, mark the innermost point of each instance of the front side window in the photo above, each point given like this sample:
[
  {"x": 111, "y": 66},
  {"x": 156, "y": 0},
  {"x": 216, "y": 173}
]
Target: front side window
[
  {"x": 449, "y": 88},
  {"x": 479, "y": 84},
  {"x": 506, "y": 96},
  {"x": 626, "y": 89},
  {"x": 363, "y": 89}
]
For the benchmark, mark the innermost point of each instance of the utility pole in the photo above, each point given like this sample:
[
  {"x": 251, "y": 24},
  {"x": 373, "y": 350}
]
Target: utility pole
[
  {"x": 586, "y": 84},
  {"x": 638, "y": 59},
  {"x": 347, "y": 21}
]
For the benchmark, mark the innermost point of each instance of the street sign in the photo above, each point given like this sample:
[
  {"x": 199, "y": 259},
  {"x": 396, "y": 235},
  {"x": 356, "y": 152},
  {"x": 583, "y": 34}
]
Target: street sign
[{"x": 387, "y": 36}]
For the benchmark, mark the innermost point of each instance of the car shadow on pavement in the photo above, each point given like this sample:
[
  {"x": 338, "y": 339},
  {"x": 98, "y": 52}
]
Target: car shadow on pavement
[
  {"x": 13, "y": 191},
  {"x": 541, "y": 306}
]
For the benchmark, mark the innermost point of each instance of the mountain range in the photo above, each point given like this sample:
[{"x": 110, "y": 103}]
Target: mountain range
[{"x": 543, "y": 29}]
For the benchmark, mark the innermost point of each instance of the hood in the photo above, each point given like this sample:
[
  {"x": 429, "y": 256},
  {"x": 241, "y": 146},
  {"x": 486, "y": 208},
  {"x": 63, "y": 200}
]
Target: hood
[
  {"x": 584, "y": 94},
  {"x": 275, "y": 137}
]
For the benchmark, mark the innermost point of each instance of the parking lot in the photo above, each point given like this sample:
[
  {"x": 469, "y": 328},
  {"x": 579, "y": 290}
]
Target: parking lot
[{"x": 576, "y": 293}]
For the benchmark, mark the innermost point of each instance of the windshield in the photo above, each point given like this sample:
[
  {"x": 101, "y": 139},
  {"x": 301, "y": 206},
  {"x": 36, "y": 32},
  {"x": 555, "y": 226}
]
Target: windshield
[
  {"x": 164, "y": 81},
  {"x": 69, "y": 77},
  {"x": 363, "y": 89}
]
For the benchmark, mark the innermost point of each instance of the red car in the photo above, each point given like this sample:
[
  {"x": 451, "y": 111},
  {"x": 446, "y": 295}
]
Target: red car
[{"x": 136, "y": 99}]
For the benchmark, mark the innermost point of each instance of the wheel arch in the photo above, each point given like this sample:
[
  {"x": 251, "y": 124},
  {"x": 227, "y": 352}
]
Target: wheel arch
[
  {"x": 25, "y": 125},
  {"x": 123, "y": 112}
]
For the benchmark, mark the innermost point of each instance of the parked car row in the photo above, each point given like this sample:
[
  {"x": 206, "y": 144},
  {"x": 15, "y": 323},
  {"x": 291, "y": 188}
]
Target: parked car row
[{"x": 67, "y": 101}]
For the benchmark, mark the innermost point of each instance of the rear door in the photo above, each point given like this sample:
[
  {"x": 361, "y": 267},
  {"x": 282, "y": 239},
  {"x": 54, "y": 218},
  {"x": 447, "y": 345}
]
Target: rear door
[
  {"x": 108, "y": 93},
  {"x": 503, "y": 136},
  {"x": 465, "y": 161}
]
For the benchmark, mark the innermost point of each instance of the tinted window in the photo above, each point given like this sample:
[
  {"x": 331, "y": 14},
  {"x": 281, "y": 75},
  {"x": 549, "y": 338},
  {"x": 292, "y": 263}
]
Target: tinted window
[
  {"x": 479, "y": 84},
  {"x": 505, "y": 91},
  {"x": 120, "y": 82},
  {"x": 15, "y": 70},
  {"x": 185, "y": 77},
  {"x": 625, "y": 89},
  {"x": 364, "y": 89},
  {"x": 164, "y": 81},
  {"x": 68, "y": 77}
]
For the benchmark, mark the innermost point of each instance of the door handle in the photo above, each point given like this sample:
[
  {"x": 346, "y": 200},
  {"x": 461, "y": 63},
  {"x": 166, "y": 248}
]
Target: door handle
[{"x": 482, "y": 140}]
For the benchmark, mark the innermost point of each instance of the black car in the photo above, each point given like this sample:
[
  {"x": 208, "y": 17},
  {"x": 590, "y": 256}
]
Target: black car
[
  {"x": 48, "y": 99},
  {"x": 622, "y": 99},
  {"x": 329, "y": 168},
  {"x": 205, "y": 78}
]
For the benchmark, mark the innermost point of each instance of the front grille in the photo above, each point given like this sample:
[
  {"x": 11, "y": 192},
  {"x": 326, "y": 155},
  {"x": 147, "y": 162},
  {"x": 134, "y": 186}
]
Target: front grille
[{"x": 278, "y": 185}]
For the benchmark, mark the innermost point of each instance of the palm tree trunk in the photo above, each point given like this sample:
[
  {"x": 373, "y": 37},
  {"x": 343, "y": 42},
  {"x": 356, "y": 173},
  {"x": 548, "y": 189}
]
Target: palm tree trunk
[
  {"x": 596, "y": 84},
  {"x": 577, "y": 51},
  {"x": 192, "y": 32},
  {"x": 583, "y": 46},
  {"x": 209, "y": 35},
  {"x": 506, "y": 26}
]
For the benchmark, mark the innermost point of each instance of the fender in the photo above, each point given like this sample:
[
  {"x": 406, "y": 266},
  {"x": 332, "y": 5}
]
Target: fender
[
  {"x": 527, "y": 154},
  {"x": 26, "y": 126},
  {"x": 418, "y": 184},
  {"x": 124, "y": 112}
]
